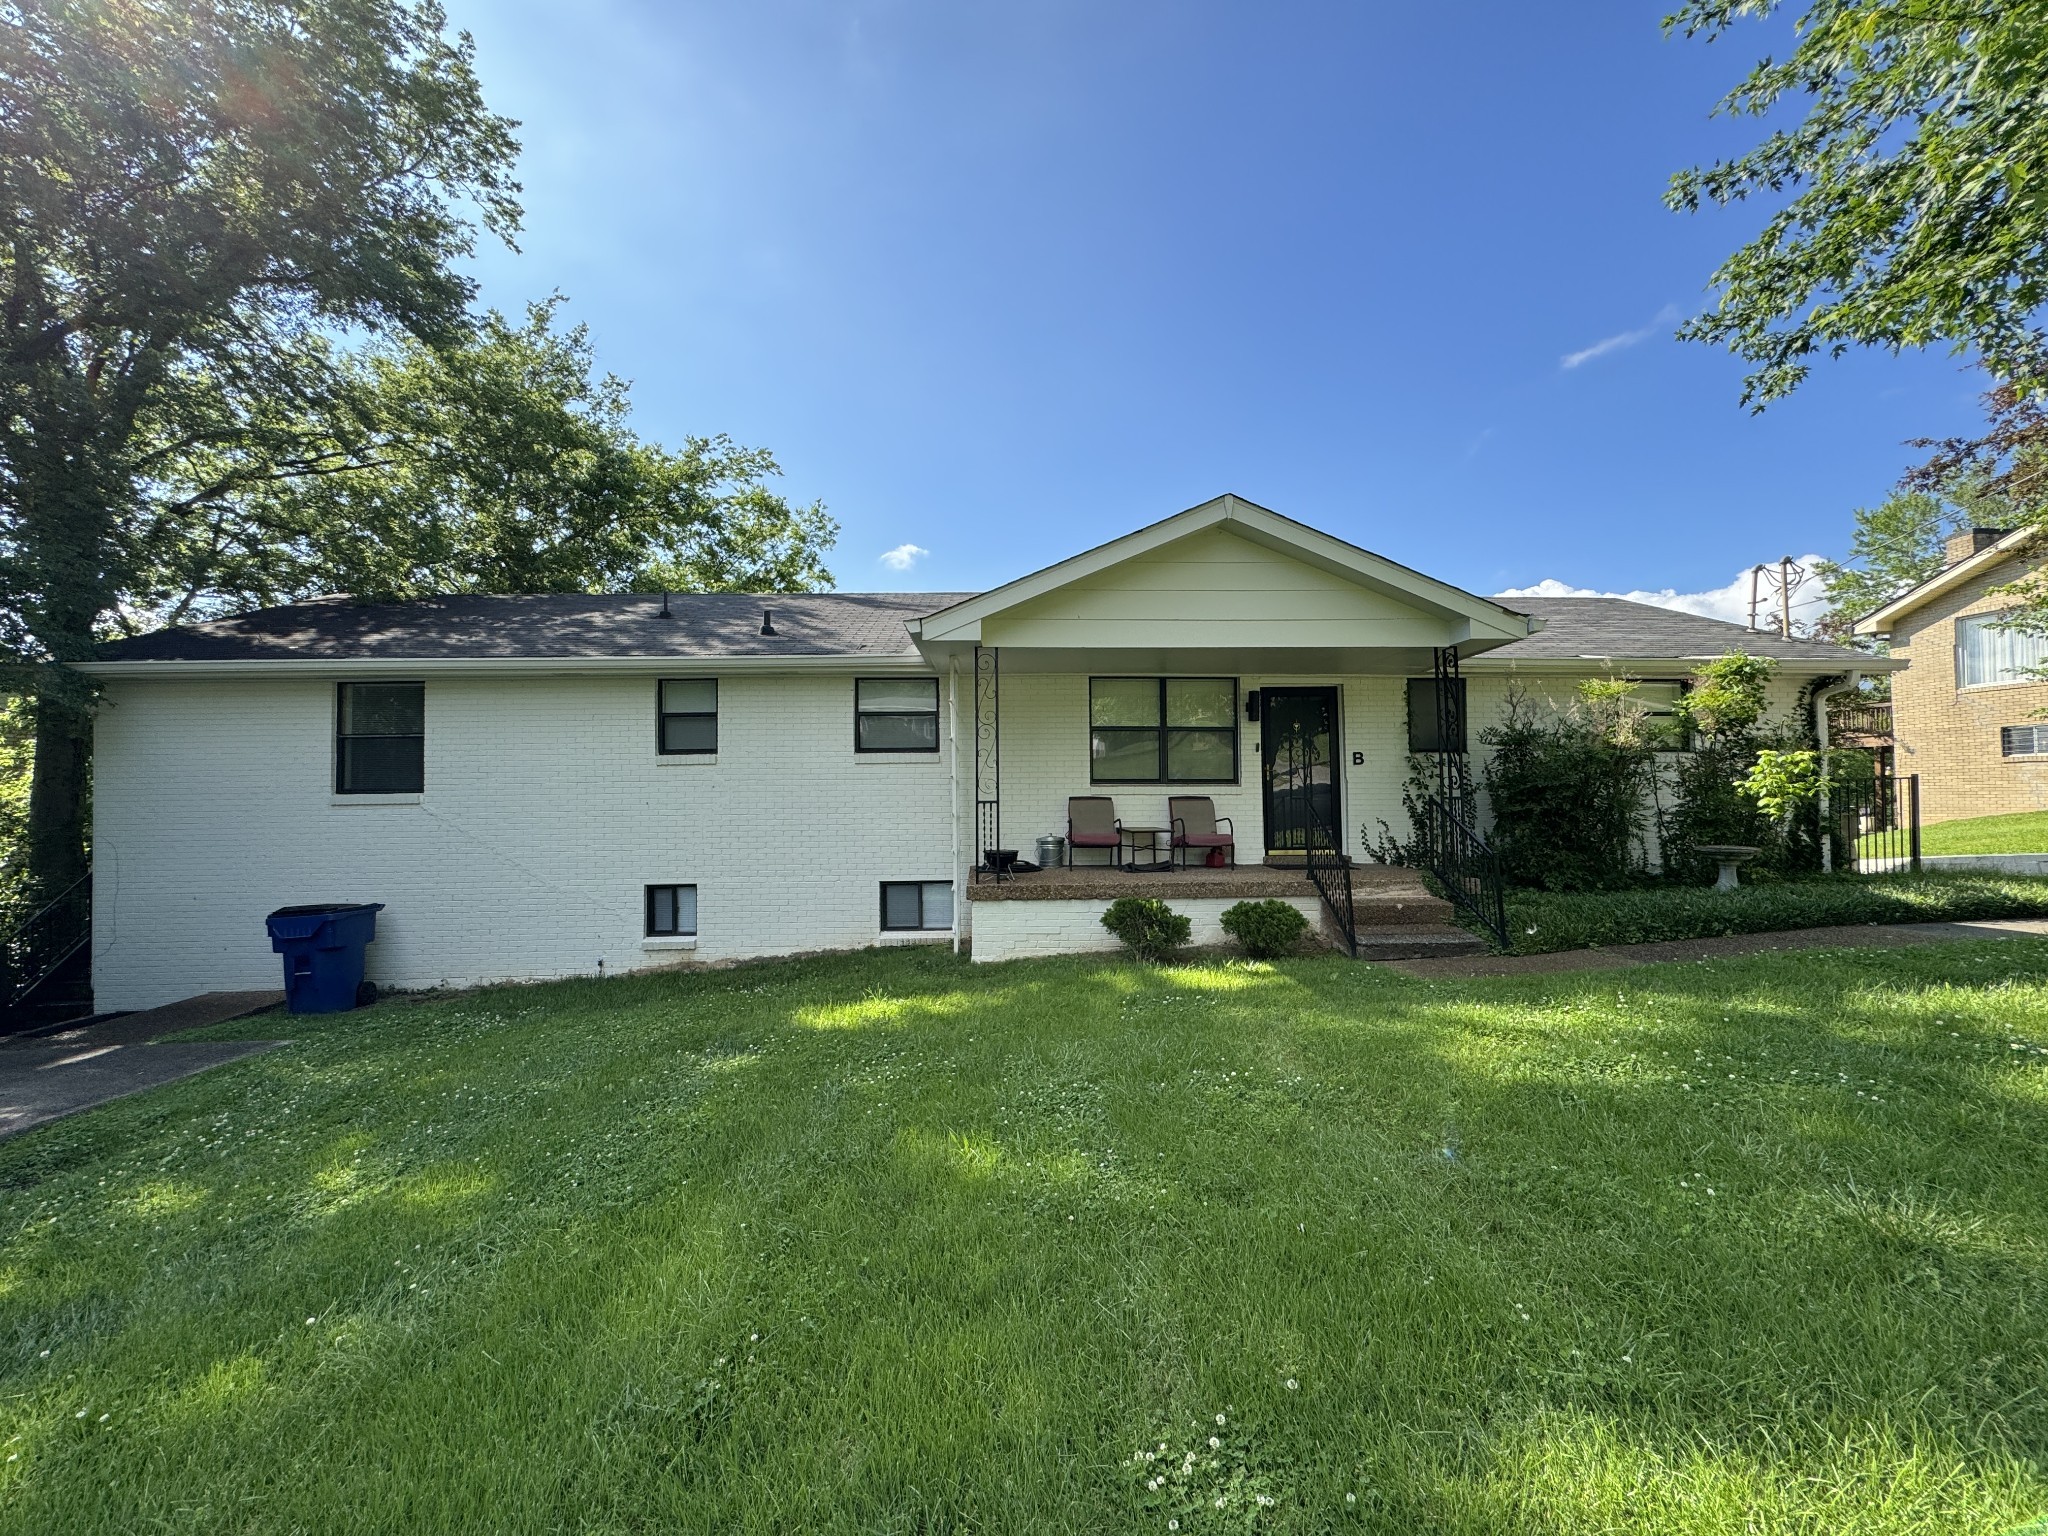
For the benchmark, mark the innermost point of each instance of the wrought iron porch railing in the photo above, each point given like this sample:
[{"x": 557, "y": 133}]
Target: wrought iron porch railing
[
  {"x": 1330, "y": 872},
  {"x": 1467, "y": 867},
  {"x": 42, "y": 942}
]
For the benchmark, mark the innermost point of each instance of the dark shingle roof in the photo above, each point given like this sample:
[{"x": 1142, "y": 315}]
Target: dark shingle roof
[
  {"x": 571, "y": 626},
  {"x": 578, "y": 626},
  {"x": 1614, "y": 627}
]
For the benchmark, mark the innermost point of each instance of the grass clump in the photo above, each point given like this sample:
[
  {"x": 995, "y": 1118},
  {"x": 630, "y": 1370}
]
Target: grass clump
[
  {"x": 893, "y": 1242},
  {"x": 1543, "y": 921},
  {"x": 1147, "y": 926},
  {"x": 1266, "y": 929}
]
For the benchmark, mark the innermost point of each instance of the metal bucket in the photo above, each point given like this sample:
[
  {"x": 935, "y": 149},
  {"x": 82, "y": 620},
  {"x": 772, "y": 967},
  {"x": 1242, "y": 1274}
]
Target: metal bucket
[{"x": 1052, "y": 851}]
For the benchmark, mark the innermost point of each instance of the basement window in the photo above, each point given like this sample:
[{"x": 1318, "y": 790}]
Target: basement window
[
  {"x": 910, "y": 906},
  {"x": 2023, "y": 740},
  {"x": 671, "y": 911},
  {"x": 380, "y": 739}
]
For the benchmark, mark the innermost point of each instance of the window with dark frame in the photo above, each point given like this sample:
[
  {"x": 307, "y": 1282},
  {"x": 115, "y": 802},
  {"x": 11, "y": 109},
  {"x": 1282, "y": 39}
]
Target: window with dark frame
[
  {"x": 2023, "y": 740},
  {"x": 917, "y": 906},
  {"x": 1659, "y": 698},
  {"x": 1162, "y": 730},
  {"x": 671, "y": 911},
  {"x": 1422, "y": 716},
  {"x": 380, "y": 738},
  {"x": 687, "y": 708},
  {"x": 896, "y": 714}
]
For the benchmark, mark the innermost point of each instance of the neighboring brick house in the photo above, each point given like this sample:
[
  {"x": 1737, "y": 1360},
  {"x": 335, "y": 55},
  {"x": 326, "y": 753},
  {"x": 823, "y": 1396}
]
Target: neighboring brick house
[
  {"x": 578, "y": 783},
  {"x": 1970, "y": 712}
]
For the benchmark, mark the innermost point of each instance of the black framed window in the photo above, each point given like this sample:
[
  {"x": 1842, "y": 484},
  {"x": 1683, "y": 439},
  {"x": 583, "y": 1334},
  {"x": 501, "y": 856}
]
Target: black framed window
[
  {"x": 2023, "y": 740},
  {"x": 688, "y": 711},
  {"x": 1659, "y": 698},
  {"x": 896, "y": 714},
  {"x": 916, "y": 905},
  {"x": 671, "y": 911},
  {"x": 1422, "y": 716},
  {"x": 380, "y": 738},
  {"x": 1162, "y": 730}
]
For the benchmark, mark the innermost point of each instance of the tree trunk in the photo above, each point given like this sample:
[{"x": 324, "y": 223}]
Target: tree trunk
[{"x": 56, "y": 798}]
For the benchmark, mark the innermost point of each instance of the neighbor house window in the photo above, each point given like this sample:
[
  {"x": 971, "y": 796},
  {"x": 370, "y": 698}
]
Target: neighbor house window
[
  {"x": 1423, "y": 726},
  {"x": 912, "y": 905},
  {"x": 896, "y": 714},
  {"x": 1162, "y": 730},
  {"x": 688, "y": 707},
  {"x": 1987, "y": 654},
  {"x": 2023, "y": 741},
  {"x": 380, "y": 739},
  {"x": 671, "y": 911}
]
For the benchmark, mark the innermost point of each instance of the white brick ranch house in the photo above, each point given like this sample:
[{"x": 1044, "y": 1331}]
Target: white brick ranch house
[{"x": 561, "y": 785}]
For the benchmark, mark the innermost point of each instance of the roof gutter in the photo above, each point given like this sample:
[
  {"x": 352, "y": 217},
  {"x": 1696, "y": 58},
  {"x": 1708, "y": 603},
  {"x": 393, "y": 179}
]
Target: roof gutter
[{"x": 488, "y": 666}]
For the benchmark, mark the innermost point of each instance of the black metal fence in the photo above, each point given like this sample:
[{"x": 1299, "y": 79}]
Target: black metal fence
[
  {"x": 1874, "y": 825},
  {"x": 1329, "y": 869}
]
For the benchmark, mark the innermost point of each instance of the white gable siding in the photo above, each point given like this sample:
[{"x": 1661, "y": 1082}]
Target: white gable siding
[
  {"x": 1215, "y": 589},
  {"x": 546, "y": 812}
]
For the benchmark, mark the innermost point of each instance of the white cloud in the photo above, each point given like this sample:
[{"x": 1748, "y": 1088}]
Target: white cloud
[
  {"x": 1621, "y": 341},
  {"x": 1730, "y": 602},
  {"x": 902, "y": 557}
]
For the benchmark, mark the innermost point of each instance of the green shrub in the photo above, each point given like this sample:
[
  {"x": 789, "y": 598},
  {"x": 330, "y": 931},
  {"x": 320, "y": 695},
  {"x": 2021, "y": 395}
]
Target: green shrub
[
  {"x": 1148, "y": 927},
  {"x": 1266, "y": 929},
  {"x": 1570, "y": 790},
  {"x": 1542, "y": 921}
]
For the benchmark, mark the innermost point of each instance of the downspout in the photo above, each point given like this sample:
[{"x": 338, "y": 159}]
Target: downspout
[{"x": 953, "y": 783}]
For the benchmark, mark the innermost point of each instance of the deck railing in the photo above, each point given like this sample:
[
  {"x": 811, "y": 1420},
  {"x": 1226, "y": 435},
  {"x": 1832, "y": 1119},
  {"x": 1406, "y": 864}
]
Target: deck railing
[
  {"x": 1849, "y": 720},
  {"x": 37, "y": 947}
]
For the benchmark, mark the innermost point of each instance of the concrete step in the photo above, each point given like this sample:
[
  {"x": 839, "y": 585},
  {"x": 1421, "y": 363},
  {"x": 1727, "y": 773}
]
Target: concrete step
[{"x": 1417, "y": 941}]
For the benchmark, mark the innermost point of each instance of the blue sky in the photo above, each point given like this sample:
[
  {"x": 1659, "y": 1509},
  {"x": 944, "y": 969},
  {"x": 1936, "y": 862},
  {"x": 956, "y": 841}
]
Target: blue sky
[{"x": 999, "y": 282}]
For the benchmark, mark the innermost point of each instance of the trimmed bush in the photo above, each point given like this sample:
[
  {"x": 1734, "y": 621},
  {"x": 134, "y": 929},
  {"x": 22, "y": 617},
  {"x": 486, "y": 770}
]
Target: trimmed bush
[
  {"x": 1148, "y": 927},
  {"x": 1266, "y": 929},
  {"x": 1542, "y": 921}
]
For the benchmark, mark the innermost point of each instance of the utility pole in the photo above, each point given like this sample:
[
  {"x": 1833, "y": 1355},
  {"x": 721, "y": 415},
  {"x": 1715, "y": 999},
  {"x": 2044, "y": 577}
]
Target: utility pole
[{"x": 1780, "y": 580}]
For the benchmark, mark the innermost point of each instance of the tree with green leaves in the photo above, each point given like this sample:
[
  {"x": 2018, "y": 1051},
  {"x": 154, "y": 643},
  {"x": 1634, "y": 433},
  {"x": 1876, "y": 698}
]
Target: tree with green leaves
[
  {"x": 195, "y": 188},
  {"x": 1906, "y": 198},
  {"x": 497, "y": 463}
]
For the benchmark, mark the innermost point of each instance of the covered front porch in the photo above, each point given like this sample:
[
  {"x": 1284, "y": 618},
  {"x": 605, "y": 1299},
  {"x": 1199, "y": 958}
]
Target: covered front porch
[{"x": 1277, "y": 676}]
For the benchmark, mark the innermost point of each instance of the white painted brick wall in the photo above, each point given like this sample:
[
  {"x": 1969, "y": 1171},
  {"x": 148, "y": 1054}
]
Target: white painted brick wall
[
  {"x": 1020, "y": 930},
  {"x": 546, "y": 813}
]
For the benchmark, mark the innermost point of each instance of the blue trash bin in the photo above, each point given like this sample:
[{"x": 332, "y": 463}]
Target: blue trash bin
[{"x": 323, "y": 954}]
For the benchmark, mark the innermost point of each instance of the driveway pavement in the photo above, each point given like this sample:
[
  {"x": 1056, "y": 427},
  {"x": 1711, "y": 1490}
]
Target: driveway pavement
[{"x": 46, "y": 1077}]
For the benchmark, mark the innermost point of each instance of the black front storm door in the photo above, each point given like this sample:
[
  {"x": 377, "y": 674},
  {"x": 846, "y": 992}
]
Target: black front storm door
[{"x": 1298, "y": 755}]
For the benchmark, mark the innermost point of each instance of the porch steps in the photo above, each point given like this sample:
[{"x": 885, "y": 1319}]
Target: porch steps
[{"x": 1417, "y": 941}]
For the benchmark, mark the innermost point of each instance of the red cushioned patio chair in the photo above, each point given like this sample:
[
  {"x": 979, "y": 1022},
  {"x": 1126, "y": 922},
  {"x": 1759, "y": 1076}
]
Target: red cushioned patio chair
[
  {"x": 1196, "y": 825},
  {"x": 1092, "y": 823}
]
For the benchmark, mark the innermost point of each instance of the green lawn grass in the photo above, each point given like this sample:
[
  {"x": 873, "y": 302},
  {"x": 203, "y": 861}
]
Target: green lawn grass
[
  {"x": 1540, "y": 922},
  {"x": 2026, "y": 832},
  {"x": 896, "y": 1243}
]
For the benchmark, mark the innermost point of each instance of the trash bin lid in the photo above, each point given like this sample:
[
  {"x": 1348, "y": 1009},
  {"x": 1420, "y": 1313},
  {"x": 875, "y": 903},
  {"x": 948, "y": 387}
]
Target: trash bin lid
[{"x": 303, "y": 922}]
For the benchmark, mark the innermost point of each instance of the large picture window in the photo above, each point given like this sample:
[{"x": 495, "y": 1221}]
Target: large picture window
[
  {"x": 688, "y": 709},
  {"x": 1162, "y": 730},
  {"x": 1986, "y": 654},
  {"x": 896, "y": 714},
  {"x": 380, "y": 739}
]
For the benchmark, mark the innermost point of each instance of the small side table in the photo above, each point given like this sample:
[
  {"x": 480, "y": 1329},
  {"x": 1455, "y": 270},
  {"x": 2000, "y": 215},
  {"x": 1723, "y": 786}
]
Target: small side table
[
  {"x": 1149, "y": 836},
  {"x": 1732, "y": 856}
]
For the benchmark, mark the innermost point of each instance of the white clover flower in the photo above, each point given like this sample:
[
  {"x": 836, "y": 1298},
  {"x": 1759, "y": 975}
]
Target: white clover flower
[
  {"x": 1292, "y": 1384},
  {"x": 1350, "y": 1498},
  {"x": 1219, "y": 1417},
  {"x": 1214, "y": 1443}
]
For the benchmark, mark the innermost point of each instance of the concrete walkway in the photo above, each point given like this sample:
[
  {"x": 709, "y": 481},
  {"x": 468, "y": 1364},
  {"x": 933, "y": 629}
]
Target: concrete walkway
[
  {"x": 46, "y": 1077},
  {"x": 1851, "y": 936}
]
